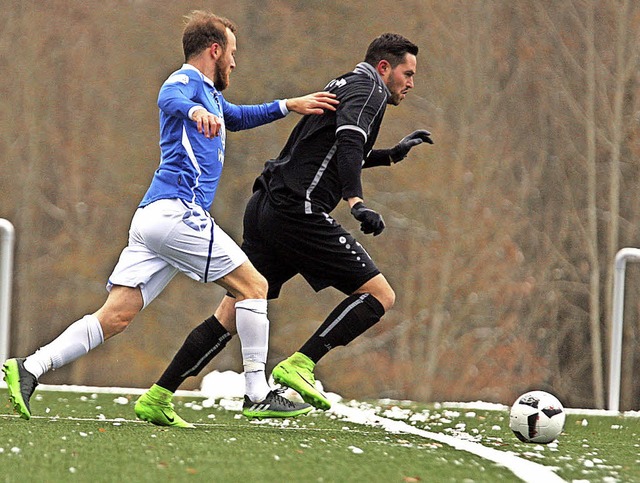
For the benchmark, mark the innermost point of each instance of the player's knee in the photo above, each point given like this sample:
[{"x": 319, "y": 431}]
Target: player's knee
[
  {"x": 257, "y": 289},
  {"x": 387, "y": 298},
  {"x": 383, "y": 292}
]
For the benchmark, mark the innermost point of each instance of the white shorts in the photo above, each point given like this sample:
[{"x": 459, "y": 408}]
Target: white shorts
[{"x": 171, "y": 236}]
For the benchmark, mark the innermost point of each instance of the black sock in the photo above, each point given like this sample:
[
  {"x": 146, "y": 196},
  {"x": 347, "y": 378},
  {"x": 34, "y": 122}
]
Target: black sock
[
  {"x": 352, "y": 317},
  {"x": 201, "y": 345}
]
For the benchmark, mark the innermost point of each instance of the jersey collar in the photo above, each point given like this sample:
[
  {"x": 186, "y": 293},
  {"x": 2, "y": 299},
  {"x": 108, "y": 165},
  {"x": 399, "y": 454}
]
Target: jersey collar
[
  {"x": 204, "y": 77},
  {"x": 367, "y": 69}
]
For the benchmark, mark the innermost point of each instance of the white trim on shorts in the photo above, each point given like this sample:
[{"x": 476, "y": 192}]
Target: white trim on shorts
[{"x": 171, "y": 236}]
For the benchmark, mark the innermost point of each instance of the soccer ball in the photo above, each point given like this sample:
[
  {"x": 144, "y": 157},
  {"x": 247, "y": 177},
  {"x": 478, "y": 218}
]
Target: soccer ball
[{"x": 537, "y": 417}]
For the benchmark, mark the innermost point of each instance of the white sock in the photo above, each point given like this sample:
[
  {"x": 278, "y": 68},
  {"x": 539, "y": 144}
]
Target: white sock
[
  {"x": 78, "y": 339},
  {"x": 253, "y": 330}
]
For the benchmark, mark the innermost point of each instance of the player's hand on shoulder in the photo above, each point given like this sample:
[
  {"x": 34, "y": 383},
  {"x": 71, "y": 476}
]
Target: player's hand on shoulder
[
  {"x": 314, "y": 103},
  {"x": 208, "y": 124}
]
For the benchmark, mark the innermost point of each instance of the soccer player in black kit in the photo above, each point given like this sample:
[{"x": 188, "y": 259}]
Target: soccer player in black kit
[{"x": 288, "y": 229}]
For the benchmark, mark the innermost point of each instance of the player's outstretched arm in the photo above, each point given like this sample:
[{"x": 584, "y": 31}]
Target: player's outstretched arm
[
  {"x": 314, "y": 103},
  {"x": 386, "y": 157}
]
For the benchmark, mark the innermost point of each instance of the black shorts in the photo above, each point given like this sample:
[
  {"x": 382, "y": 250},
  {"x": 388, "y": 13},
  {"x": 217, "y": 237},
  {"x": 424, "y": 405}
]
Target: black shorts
[{"x": 281, "y": 245}]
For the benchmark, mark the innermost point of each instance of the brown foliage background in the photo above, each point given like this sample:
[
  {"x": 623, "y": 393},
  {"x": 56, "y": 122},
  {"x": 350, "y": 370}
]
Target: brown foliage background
[{"x": 500, "y": 237}]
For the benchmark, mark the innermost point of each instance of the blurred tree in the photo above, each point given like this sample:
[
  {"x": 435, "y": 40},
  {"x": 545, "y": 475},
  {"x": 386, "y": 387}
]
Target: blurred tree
[{"x": 500, "y": 237}]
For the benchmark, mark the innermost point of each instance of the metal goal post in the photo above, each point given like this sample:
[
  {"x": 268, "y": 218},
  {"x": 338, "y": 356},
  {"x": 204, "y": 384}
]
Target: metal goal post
[
  {"x": 7, "y": 236},
  {"x": 615, "y": 367}
]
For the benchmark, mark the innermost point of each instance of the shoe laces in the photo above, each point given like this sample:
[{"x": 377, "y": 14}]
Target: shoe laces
[{"x": 277, "y": 395}]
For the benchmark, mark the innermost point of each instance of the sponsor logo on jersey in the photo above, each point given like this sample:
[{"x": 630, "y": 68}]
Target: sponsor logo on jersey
[{"x": 338, "y": 83}]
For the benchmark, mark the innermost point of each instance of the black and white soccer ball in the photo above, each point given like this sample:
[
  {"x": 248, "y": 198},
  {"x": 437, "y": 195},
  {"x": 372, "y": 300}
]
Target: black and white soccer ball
[{"x": 537, "y": 417}]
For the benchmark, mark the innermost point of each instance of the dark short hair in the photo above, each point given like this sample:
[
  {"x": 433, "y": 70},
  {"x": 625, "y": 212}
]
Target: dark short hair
[
  {"x": 203, "y": 29},
  {"x": 389, "y": 47}
]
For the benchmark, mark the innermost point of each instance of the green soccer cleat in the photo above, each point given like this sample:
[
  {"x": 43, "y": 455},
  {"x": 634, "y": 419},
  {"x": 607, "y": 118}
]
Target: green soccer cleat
[
  {"x": 296, "y": 372},
  {"x": 155, "y": 406},
  {"x": 274, "y": 406},
  {"x": 21, "y": 384}
]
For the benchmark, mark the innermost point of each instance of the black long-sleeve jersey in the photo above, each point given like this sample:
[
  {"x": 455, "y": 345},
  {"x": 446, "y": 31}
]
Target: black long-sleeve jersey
[{"x": 324, "y": 155}]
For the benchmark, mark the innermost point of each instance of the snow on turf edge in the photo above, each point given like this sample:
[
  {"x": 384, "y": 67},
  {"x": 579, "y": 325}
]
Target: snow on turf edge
[{"x": 229, "y": 385}]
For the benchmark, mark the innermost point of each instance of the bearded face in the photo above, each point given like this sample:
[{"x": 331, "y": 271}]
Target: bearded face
[
  {"x": 226, "y": 63},
  {"x": 397, "y": 94},
  {"x": 223, "y": 72},
  {"x": 400, "y": 79}
]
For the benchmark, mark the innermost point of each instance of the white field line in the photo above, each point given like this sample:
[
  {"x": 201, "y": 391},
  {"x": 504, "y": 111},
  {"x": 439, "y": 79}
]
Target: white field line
[
  {"x": 104, "y": 390},
  {"x": 119, "y": 421},
  {"x": 526, "y": 470},
  {"x": 576, "y": 411}
]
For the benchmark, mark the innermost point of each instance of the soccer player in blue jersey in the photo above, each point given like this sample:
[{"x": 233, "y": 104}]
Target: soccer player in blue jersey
[
  {"x": 172, "y": 230},
  {"x": 288, "y": 227}
]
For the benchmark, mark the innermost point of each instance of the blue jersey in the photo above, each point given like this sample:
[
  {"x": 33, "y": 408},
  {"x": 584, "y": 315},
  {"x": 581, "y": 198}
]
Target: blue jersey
[{"x": 191, "y": 164}]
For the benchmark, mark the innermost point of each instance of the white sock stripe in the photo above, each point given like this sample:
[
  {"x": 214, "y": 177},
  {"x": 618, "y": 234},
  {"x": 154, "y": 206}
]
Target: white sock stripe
[
  {"x": 197, "y": 367},
  {"x": 337, "y": 320}
]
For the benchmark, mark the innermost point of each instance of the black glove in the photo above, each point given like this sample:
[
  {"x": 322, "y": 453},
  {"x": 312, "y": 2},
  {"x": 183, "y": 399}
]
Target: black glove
[
  {"x": 370, "y": 221},
  {"x": 400, "y": 150}
]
